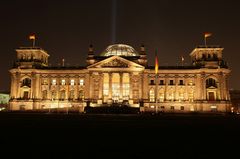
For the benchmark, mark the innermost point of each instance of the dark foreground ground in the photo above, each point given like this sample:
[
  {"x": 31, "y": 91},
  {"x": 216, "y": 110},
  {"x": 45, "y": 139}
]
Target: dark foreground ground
[{"x": 119, "y": 136}]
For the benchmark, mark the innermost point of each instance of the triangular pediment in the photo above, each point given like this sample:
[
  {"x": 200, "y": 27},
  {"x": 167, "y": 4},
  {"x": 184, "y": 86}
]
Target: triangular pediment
[
  {"x": 211, "y": 87},
  {"x": 115, "y": 62}
]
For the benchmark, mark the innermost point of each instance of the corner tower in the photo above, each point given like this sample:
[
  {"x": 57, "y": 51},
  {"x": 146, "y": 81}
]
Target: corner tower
[
  {"x": 208, "y": 57},
  {"x": 31, "y": 57}
]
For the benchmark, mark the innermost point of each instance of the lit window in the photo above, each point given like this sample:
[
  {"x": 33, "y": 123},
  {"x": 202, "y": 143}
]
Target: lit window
[
  {"x": 54, "y": 82},
  {"x": 190, "y": 83},
  {"x": 181, "y": 97},
  {"x": 213, "y": 108},
  {"x": 152, "y": 95},
  {"x": 126, "y": 86},
  {"x": 45, "y": 82},
  {"x": 44, "y": 95},
  {"x": 71, "y": 96},
  {"x": 63, "y": 82},
  {"x": 81, "y": 82},
  {"x": 161, "y": 97},
  {"x": 105, "y": 84},
  {"x": 62, "y": 95},
  {"x": 81, "y": 94},
  {"x": 126, "y": 91},
  {"x": 72, "y": 82}
]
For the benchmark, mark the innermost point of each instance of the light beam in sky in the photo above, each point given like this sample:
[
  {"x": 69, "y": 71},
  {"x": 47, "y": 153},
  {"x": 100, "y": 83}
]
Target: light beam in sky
[{"x": 114, "y": 20}]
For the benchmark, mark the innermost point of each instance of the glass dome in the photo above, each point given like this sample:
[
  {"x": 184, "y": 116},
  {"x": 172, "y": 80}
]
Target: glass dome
[{"x": 119, "y": 50}]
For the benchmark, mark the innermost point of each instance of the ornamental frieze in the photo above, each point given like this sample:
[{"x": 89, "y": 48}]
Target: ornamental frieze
[{"x": 115, "y": 63}]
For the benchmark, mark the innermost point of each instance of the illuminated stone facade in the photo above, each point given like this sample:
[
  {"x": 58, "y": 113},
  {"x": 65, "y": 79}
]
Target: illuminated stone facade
[{"x": 121, "y": 75}]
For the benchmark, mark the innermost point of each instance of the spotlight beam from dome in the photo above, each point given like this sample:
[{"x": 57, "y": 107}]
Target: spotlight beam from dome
[{"x": 114, "y": 20}]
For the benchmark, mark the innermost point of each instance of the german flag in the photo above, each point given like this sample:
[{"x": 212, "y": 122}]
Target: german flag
[
  {"x": 156, "y": 63},
  {"x": 32, "y": 37},
  {"x": 206, "y": 35}
]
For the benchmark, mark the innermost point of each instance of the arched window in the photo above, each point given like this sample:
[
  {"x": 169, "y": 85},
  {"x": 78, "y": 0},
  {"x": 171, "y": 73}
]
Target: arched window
[
  {"x": 54, "y": 95},
  {"x": 62, "y": 95},
  {"x": 81, "y": 94},
  {"x": 44, "y": 94},
  {"x": 152, "y": 95},
  {"x": 211, "y": 83},
  {"x": 71, "y": 96},
  {"x": 26, "y": 82}
]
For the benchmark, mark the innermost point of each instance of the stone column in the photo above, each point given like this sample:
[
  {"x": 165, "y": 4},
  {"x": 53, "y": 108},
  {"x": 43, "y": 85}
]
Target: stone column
[
  {"x": 33, "y": 86},
  {"x": 49, "y": 92},
  {"x": 131, "y": 86},
  {"x": 37, "y": 87},
  {"x": 121, "y": 86},
  {"x": 176, "y": 88},
  {"x": 88, "y": 83},
  {"x": 198, "y": 87},
  {"x": 204, "y": 91},
  {"x": 140, "y": 85},
  {"x": 13, "y": 86},
  {"x": 18, "y": 78},
  {"x": 58, "y": 88},
  {"x": 100, "y": 86},
  {"x": 110, "y": 86},
  {"x": 145, "y": 83},
  {"x": 166, "y": 88},
  {"x": 186, "y": 90}
]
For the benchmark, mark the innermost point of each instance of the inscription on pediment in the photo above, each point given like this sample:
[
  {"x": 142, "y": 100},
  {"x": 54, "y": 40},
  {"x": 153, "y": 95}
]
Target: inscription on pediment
[{"x": 115, "y": 63}]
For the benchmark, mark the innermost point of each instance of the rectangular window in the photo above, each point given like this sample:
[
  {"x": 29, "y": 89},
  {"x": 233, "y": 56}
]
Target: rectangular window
[
  {"x": 181, "y": 82},
  {"x": 182, "y": 107},
  {"x": 151, "y": 82},
  {"x": 81, "y": 82},
  {"x": 162, "y": 107},
  {"x": 25, "y": 95},
  {"x": 63, "y": 82},
  {"x": 172, "y": 107},
  {"x": 54, "y": 82},
  {"x": 171, "y": 82},
  {"x": 213, "y": 108},
  {"x": 72, "y": 82},
  {"x": 45, "y": 82},
  {"x": 161, "y": 82}
]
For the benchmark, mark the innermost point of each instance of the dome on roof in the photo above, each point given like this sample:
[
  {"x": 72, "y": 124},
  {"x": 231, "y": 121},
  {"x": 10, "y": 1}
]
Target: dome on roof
[{"x": 119, "y": 50}]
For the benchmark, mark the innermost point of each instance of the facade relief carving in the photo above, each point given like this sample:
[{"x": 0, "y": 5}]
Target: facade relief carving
[{"x": 116, "y": 63}]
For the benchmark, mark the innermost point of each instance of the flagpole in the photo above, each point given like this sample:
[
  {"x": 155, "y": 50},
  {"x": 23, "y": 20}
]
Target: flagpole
[
  {"x": 205, "y": 41},
  {"x": 33, "y": 42},
  {"x": 156, "y": 84},
  {"x": 156, "y": 80}
]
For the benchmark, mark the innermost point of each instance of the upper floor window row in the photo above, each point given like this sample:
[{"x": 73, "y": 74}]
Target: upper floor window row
[
  {"x": 170, "y": 82},
  {"x": 72, "y": 82}
]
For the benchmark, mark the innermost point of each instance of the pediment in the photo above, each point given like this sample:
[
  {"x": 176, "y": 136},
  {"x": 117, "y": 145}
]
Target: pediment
[
  {"x": 212, "y": 87},
  {"x": 115, "y": 62}
]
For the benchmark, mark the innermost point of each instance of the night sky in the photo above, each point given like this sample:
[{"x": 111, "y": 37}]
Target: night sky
[{"x": 66, "y": 28}]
